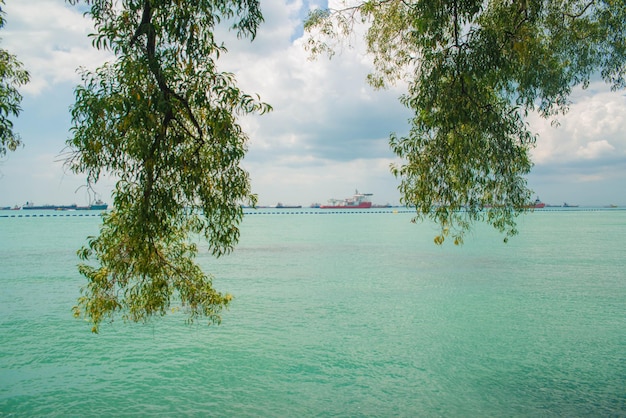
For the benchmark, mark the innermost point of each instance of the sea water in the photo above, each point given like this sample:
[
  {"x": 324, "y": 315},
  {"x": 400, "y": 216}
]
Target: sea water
[{"x": 336, "y": 313}]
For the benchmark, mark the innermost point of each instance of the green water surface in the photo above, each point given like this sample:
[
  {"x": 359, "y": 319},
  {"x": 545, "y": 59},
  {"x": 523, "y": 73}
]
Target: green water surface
[{"x": 334, "y": 314}]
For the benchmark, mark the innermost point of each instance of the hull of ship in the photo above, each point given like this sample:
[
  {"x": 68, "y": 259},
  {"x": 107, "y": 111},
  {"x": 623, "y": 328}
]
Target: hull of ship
[
  {"x": 50, "y": 207},
  {"x": 93, "y": 207}
]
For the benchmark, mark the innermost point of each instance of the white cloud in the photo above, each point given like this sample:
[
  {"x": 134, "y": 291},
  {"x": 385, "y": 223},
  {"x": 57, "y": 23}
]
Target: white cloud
[
  {"x": 584, "y": 157},
  {"x": 594, "y": 128},
  {"x": 595, "y": 149},
  {"x": 50, "y": 39}
]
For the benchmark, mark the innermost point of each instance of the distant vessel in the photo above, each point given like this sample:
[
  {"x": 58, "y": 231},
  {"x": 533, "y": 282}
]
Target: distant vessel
[
  {"x": 32, "y": 206},
  {"x": 281, "y": 206},
  {"x": 358, "y": 201},
  {"x": 539, "y": 204},
  {"x": 566, "y": 205},
  {"x": 97, "y": 205}
]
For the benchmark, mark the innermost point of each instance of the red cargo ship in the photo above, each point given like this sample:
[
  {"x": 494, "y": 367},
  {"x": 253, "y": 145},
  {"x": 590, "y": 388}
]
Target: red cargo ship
[{"x": 358, "y": 201}]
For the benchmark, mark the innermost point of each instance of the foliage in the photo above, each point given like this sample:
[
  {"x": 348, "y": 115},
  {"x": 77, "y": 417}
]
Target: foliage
[
  {"x": 12, "y": 76},
  {"x": 474, "y": 71},
  {"x": 162, "y": 120}
]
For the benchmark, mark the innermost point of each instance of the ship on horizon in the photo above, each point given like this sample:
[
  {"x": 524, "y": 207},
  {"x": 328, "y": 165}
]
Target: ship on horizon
[
  {"x": 358, "y": 201},
  {"x": 538, "y": 204},
  {"x": 280, "y": 205},
  {"x": 97, "y": 205},
  {"x": 32, "y": 206}
]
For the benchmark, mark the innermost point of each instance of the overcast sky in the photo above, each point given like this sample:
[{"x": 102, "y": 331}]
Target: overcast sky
[{"x": 328, "y": 133}]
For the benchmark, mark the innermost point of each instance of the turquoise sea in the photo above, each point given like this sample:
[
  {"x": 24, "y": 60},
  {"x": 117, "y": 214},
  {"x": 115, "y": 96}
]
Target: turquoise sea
[{"x": 336, "y": 314}]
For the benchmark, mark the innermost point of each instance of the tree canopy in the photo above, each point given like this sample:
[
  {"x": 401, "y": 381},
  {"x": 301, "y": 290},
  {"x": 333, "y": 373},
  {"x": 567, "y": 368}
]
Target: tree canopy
[
  {"x": 12, "y": 76},
  {"x": 161, "y": 119},
  {"x": 474, "y": 70}
]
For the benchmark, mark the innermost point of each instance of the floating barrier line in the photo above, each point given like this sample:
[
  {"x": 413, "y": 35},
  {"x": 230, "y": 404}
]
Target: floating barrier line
[
  {"x": 397, "y": 211},
  {"x": 49, "y": 215},
  {"x": 310, "y": 212},
  {"x": 329, "y": 212}
]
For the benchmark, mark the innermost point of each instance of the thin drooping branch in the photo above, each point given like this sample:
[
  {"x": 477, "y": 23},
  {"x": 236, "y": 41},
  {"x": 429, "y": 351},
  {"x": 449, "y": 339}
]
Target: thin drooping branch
[
  {"x": 146, "y": 27},
  {"x": 582, "y": 11}
]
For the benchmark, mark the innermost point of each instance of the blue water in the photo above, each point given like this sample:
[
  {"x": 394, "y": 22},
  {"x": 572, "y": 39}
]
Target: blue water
[{"x": 335, "y": 314}]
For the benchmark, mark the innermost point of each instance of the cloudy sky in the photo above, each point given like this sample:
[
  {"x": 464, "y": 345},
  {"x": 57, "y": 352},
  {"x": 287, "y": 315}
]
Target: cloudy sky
[{"x": 328, "y": 133}]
